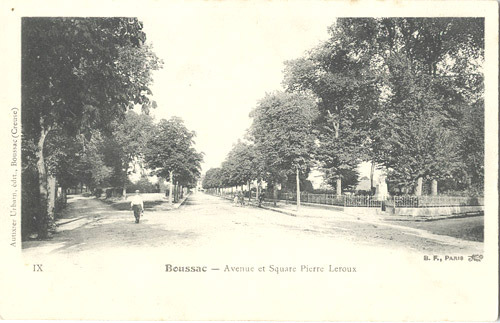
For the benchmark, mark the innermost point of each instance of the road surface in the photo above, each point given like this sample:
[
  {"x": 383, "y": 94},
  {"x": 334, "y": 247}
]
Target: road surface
[
  {"x": 215, "y": 224},
  {"x": 101, "y": 265}
]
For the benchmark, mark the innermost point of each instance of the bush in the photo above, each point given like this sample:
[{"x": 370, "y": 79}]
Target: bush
[
  {"x": 98, "y": 192},
  {"x": 322, "y": 191},
  {"x": 143, "y": 185},
  {"x": 364, "y": 193}
]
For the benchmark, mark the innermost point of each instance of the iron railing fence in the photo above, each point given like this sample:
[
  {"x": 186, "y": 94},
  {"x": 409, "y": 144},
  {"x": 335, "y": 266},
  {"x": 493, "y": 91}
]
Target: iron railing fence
[
  {"x": 394, "y": 201},
  {"x": 408, "y": 201},
  {"x": 329, "y": 199}
]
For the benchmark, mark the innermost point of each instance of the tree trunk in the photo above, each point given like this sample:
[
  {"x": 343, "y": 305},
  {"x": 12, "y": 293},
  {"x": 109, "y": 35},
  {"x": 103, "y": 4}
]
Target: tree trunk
[
  {"x": 257, "y": 191},
  {"x": 64, "y": 195},
  {"x": 51, "y": 201},
  {"x": 42, "y": 218},
  {"x": 298, "y": 189},
  {"x": 170, "y": 188},
  {"x": 339, "y": 186},
  {"x": 124, "y": 192},
  {"x": 372, "y": 171},
  {"x": 249, "y": 192},
  {"x": 418, "y": 188},
  {"x": 336, "y": 126},
  {"x": 275, "y": 194},
  {"x": 434, "y": 187}
]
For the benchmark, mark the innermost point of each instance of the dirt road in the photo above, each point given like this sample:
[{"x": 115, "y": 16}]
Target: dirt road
[
  {"x": 209, "y": 222},
  {"x": 100, "y": 259}
]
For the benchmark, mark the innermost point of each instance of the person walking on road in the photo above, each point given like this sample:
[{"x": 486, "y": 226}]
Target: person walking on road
[
  {"x": 241, "y": 198},
  {"x": 261, "y": 198},
  {"x": 137, "y": 204}
]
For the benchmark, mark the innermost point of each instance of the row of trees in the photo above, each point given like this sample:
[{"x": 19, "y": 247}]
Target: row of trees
[
  {"x": 81, "y": 77},
  {"x": 170, "y": 153},
  {"x": 405, "y": 94},
  {"x": 279, "y": 147}
]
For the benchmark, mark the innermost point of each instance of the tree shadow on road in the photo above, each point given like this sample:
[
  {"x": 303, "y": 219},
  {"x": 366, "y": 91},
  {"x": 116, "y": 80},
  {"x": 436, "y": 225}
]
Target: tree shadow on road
[
  {"x": 123, "y": 233},
  {"x": 90, "y": 224}
]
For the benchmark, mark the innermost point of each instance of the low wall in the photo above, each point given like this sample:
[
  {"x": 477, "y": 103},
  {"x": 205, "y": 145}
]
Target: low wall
[
  {"x": 362, "y": 210},
  {"x": 432, "y": 211},
  {"x": 414, "y": 212}
]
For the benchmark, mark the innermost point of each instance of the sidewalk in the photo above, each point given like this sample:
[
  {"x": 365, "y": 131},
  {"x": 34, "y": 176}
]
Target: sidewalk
[
  {"x": 317, "y": 211},
  {"x": 320, "y": 210},
  {"x": 165, "y": 206},
  {"x": 380, "y": 220},
  {"x": 327, "y": 212}
]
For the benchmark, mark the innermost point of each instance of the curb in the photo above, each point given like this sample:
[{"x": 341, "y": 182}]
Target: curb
[
  {"x": 430, "y": 219},
  {"x": 276, "y": 210},
  {"x": 385, "y": 218},
  {"x": 178, "y": 205},
  {"x": 260, "y": 207}
]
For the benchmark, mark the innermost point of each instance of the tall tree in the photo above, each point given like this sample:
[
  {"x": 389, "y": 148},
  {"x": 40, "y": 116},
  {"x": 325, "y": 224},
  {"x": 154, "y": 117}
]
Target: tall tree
[
  {"x": 283, "y": 135},
  {"x": 170, "y": 153},
  {"x": 390, "y": 89},
  {"x": 241, "y": 161},
  {"x": 127, "y": 146},
  {"x": 79, "y": 74},
  {"x": 210, "y": 179},
  {"x": 433, "y": 74},
  {"x": 340, "y": 74}
]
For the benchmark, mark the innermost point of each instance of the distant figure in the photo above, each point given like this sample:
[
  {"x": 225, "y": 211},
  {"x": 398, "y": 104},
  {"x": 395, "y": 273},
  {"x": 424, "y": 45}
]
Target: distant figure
[
  {"x": 261, "y": 198},
  {"x": 241, "y": 199},
  {"x": 137, "y": 205},
  {"x": 235, "y": 200}
]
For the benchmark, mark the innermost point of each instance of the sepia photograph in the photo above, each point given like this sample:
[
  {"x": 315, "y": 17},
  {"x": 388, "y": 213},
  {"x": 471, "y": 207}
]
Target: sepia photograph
[
  {"x": 382, "y": 121},
  {"x": 273, "y": 160}
]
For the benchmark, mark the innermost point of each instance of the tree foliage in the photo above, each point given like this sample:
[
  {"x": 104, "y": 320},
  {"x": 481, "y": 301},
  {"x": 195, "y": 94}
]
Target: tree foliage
[
  {"x": 83, "y": 73},
  {"x": 399, "y": 92},
  {"x": 170, "y": 149},
  {"x": 79, "y": 76},
  {"x": 212, "y": 179},
  {"x": 341, "y": 75},
  {"x": 283, "y": 134}
]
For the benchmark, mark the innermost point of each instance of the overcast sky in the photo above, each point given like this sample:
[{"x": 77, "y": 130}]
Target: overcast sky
[{"x": 221, "y": 58}]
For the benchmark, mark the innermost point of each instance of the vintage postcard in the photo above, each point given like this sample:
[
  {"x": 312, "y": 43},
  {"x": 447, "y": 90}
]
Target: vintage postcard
[{"x": 249, "y": 160}]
